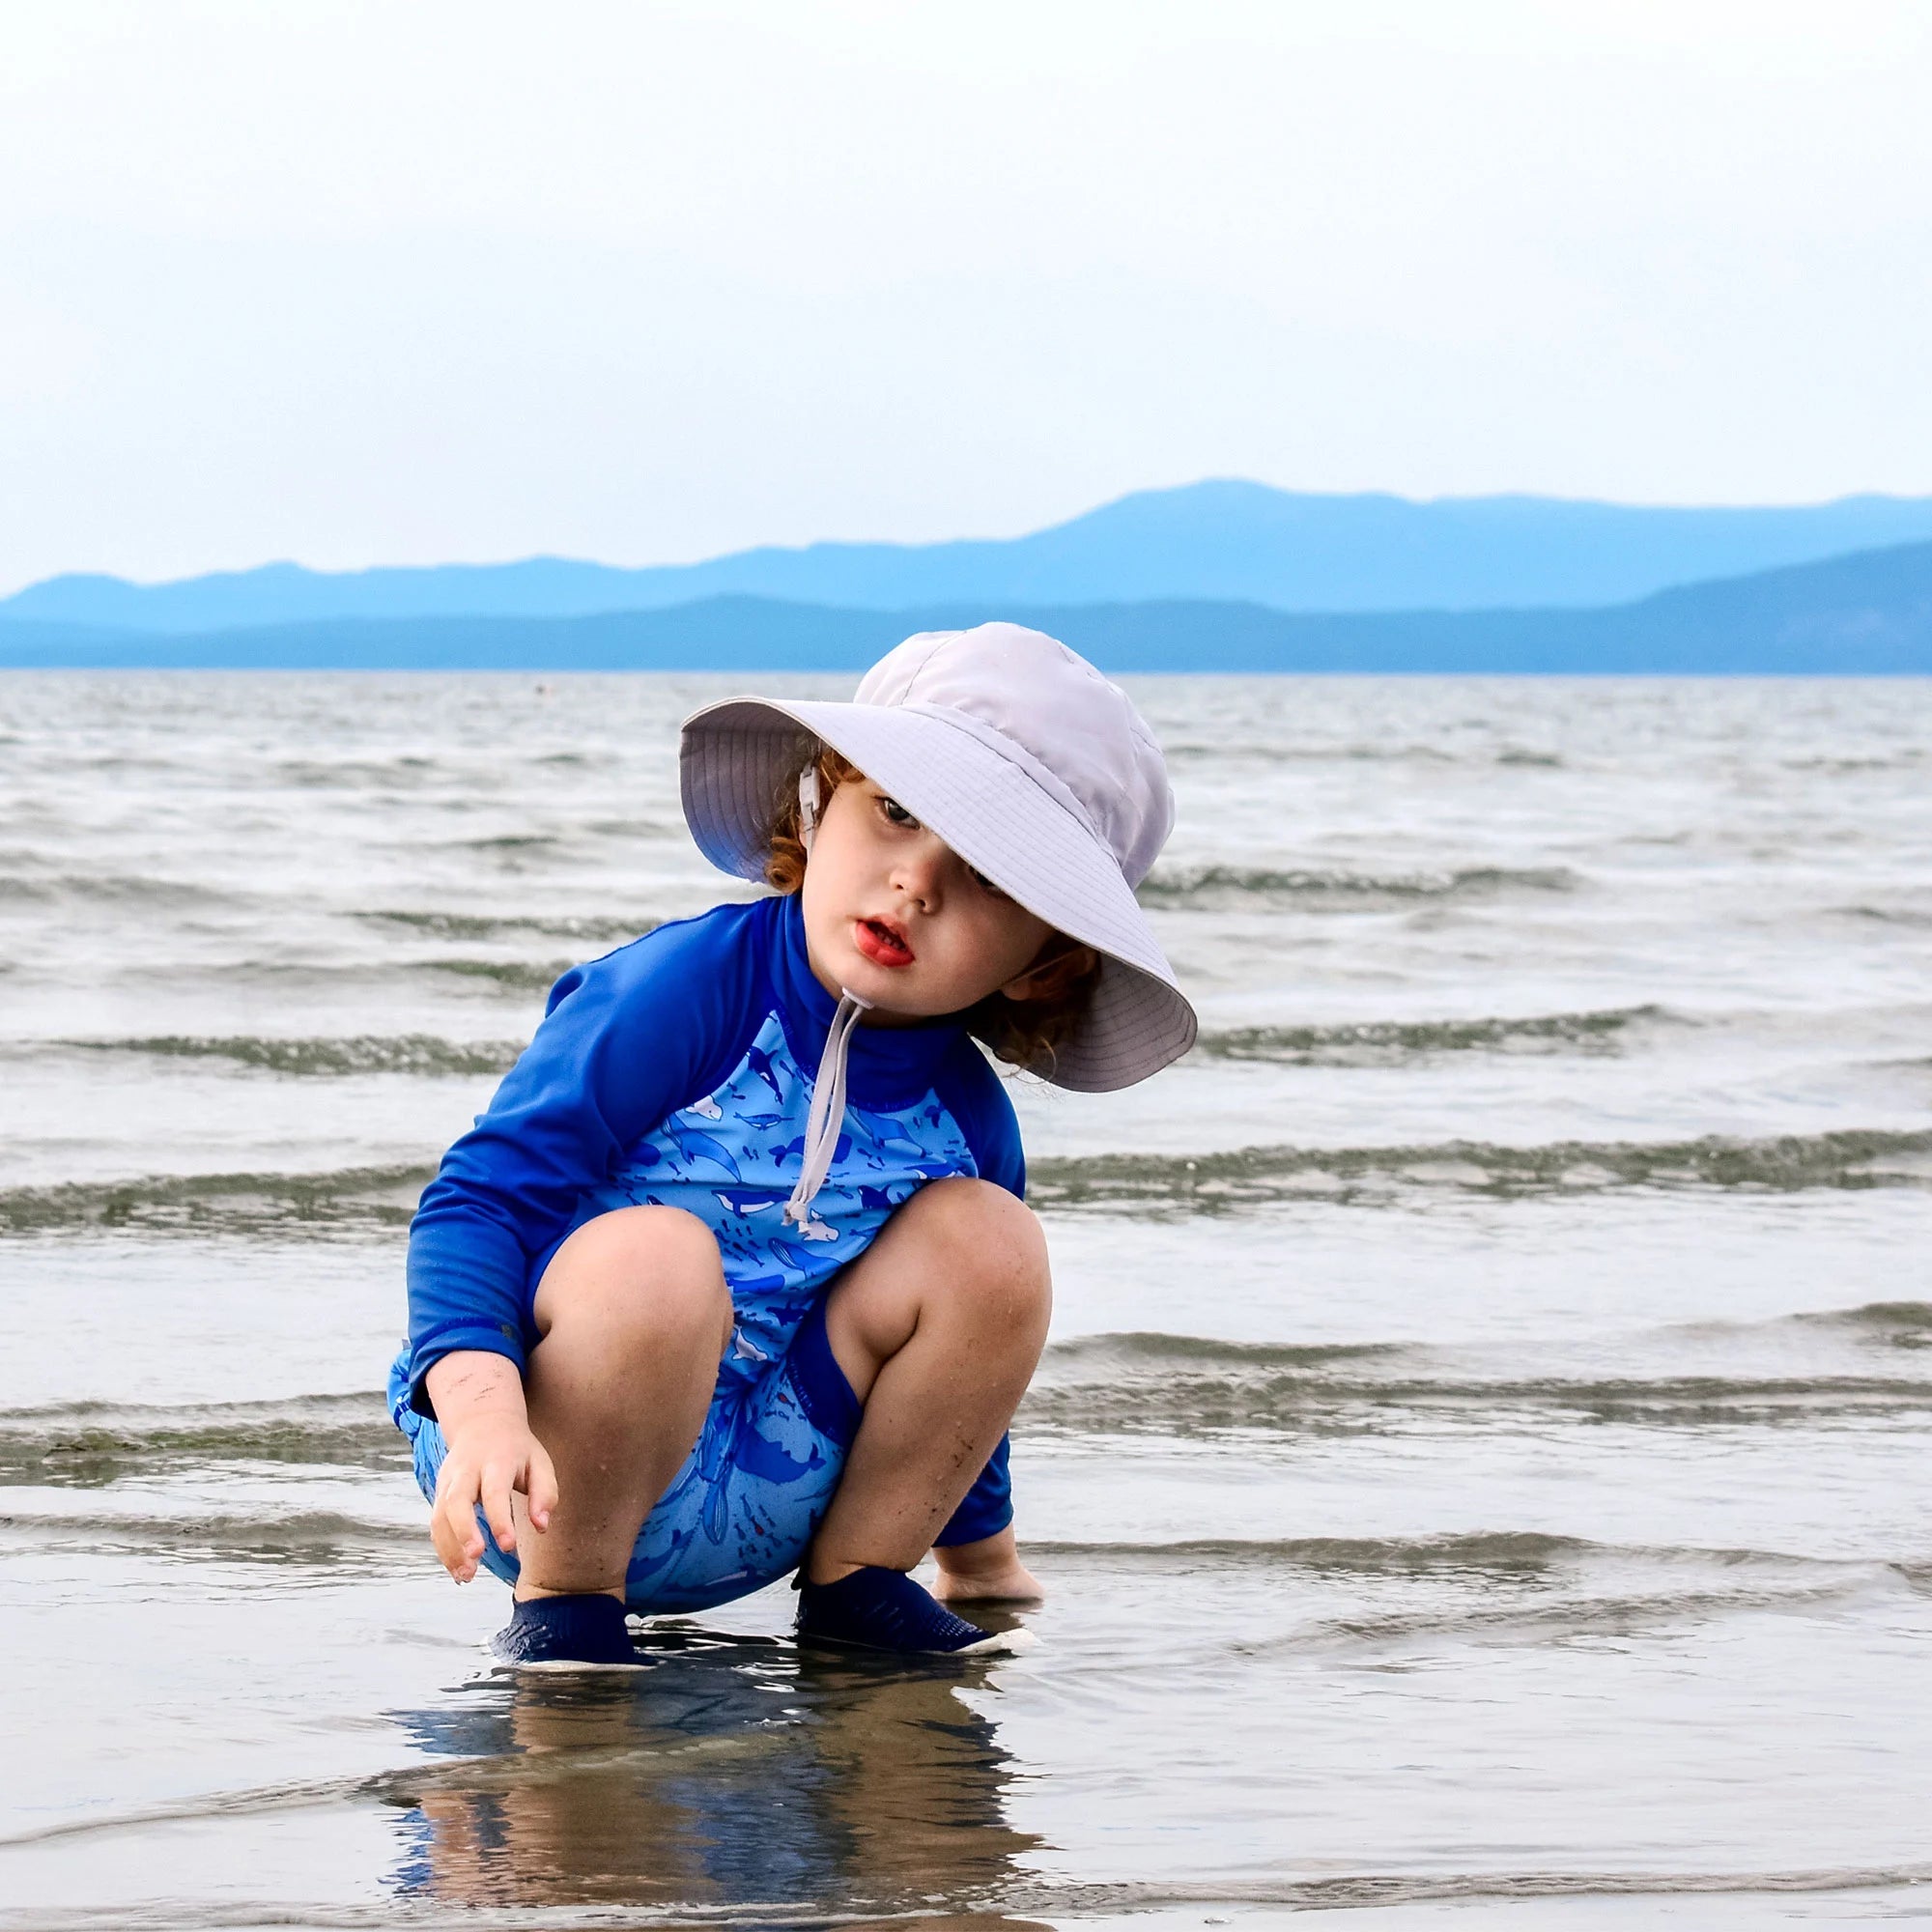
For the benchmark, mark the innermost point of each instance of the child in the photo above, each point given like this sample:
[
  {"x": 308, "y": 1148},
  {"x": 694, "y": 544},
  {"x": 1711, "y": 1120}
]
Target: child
[{"x": 734, "y": 1277}]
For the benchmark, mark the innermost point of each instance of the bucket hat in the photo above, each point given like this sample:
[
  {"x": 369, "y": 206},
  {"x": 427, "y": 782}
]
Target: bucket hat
[{"x": 1017, "y": 754}]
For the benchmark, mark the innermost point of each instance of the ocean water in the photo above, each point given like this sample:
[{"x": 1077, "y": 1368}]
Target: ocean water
[{"x": 1481, "y": 1468}]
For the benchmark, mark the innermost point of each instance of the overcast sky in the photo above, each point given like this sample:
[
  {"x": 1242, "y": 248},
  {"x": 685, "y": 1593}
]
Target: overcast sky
[{"x": 407, "y": 282}]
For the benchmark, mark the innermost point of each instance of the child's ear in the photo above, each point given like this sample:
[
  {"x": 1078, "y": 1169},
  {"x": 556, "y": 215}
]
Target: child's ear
[{"x": 1057, "y": 965}]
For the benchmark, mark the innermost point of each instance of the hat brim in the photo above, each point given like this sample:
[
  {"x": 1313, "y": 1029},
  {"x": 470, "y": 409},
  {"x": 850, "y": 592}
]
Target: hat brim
[{"x": 736, "y": 755}]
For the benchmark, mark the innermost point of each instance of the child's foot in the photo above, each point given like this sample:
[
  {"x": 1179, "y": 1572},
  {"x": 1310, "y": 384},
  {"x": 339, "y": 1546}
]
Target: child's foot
[
  {"x": 881, "y": 1610},
  {"x": 984, "y": 1574},
  {"x": 567, "y": 1633}
]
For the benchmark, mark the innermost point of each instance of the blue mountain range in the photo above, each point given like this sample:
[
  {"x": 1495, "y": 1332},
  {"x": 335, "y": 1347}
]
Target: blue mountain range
[
  {"x": 1867, "y": 614},
  {"x": 1224, "y": 542}
]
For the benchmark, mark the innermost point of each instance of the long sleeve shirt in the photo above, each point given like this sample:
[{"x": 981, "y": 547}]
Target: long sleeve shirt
[{"x": 677, "y": 1072}]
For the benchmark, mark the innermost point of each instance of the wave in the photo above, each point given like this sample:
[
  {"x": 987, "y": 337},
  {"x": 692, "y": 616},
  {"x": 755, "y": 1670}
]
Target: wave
[
  {"x": 370, "y": 1199},
  {"x": 296, "y": 978},
  {"x": 90, "y": 1444},
  {"x": 405, "y": 771},
  {"x": 513, "y": 976},
  {"x": 360, "y": 1053},
  {"x": 1905, "y": 759},
  {"x": 1143, "y": 1351},
  {"x": 353, "y": 1200},
  {"x": 1877, "y": 1325},
  {"x": 317, "y": 1539},
  {"x": 1192, "y": 1387},
  {"x": 1561, "y": 1620},
  {"x": 1233, "y": 889},
  {"x": 507, "y": 841},
  {"x": 1886, "y": 915},
  {"x": 1153, "y": 1351},
  {"x": 1894, "y": 1324},
  {"x": 991, "y": 1906},
  {"x": 1343, "y": 1891},
  {"x": 1221, "y": 751},
  {"x": 1219, "y": 1183},
  {"x": 1386, "y": 1042},
  {"x": 520, "y": 976},
  {"x": 1203, "y": 1408},
  {"x": 1516, "y": 1588},
  {"x": 636, "y": 828},
  {"x": 473, "y": 926},
  {"x": 110, "y": 889},
  {"x": 1527, "y": 1555},
  {"x": 1498, "y": 1553}
]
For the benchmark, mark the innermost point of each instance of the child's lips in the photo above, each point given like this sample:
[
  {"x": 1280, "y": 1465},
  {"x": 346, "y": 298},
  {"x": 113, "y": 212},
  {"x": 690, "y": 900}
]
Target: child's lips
[{"x": 882, "y": 942}]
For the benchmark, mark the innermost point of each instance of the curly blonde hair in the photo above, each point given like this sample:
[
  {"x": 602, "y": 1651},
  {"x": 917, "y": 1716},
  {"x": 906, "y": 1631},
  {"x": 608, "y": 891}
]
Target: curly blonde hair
[{"x": 1025, "y": 1034}]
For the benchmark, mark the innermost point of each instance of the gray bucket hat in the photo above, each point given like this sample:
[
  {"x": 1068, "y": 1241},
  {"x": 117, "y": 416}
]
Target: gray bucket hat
[{"x": 1028, "y": 763}]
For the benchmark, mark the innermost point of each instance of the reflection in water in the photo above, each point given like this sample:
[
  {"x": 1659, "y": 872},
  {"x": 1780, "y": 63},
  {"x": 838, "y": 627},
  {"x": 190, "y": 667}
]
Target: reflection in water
[{"x": 737, "y": 1772}]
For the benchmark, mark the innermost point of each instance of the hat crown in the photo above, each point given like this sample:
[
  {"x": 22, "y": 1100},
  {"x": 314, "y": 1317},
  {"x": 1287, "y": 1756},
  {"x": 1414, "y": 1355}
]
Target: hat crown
[{"x": 1051, "y": 703}]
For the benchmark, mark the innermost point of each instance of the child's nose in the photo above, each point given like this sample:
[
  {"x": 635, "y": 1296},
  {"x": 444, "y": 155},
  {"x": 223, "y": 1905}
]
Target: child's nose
[{"x": 920, "y": 873}]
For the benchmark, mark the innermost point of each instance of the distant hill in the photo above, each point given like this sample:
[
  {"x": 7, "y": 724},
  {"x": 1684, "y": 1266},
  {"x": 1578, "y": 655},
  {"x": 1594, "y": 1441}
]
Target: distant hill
[
  {"x": 1864, "y": 615},
  {"x": 1217, "y": 541}
]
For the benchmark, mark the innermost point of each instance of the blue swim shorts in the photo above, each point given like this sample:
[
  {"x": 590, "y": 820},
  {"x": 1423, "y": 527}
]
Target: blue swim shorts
[{"x": 751, "y": 1494}]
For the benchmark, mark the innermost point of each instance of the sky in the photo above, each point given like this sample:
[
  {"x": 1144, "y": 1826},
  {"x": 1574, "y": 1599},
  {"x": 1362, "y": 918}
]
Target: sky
[{"x": 358, "y": 284}]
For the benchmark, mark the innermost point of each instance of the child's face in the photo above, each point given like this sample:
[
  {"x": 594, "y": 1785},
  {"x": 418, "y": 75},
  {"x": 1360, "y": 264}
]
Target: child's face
[{"x": 900, "y": 920}]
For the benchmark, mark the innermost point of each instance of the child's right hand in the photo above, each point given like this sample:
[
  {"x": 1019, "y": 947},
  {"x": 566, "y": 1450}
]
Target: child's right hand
[{"x": 492, "y": 1453}]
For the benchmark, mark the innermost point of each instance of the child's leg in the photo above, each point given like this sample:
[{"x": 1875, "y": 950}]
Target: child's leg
[
  {"x": 633, "y": 1314},
  {"x": 937, "y": 1328}
]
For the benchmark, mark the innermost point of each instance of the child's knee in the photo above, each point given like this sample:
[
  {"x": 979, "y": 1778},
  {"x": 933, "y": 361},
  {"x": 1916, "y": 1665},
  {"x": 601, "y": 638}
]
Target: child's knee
[
  {"x": 995, "y": 1248},
  {"x": 647, "y": 1275}
]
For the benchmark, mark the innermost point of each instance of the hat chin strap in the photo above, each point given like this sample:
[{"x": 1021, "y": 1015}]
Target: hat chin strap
[
  {"x": 807, "y": 805},
  {"x": 828, "y": 1109},
  {"x": 828, "y": 1086}
]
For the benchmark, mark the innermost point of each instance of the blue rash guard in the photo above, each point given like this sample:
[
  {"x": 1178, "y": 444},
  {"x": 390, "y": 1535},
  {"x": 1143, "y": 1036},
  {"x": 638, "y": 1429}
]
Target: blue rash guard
[{"x": 677, "y": 1072}]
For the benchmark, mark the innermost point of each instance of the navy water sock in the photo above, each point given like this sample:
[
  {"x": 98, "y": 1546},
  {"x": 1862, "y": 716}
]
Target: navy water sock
[
  {"x": 567, "y": 1633},
  {"x": 883, "y": 1610}
]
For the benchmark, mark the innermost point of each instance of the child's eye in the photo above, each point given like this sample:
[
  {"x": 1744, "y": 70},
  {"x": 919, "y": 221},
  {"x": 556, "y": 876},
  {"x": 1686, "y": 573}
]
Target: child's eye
[
  {"x": 986, "y": 884},
  {"x": 896, "y": 813}
]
